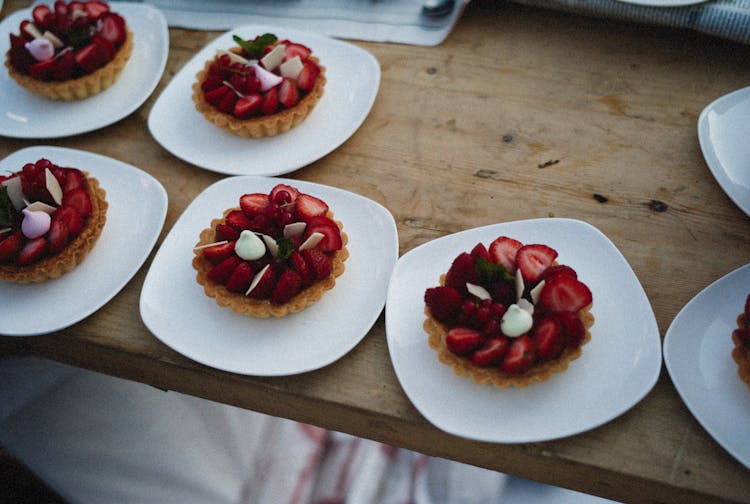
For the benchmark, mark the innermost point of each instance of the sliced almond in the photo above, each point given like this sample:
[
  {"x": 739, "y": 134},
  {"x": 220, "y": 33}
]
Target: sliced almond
[
  {"x": 53, "y": 38},
  {"x": 311, "y": 241},
  {"x": 526, "y": 305},
  {"x": 294, "y": 229},
  {"x": 520, "y": 286},
  {"x": 271, "y": 245},
  {"x": 256, "y": 279},
  {"x": 274, "y": 57},
  {"x": 234, "y": 57},
  {"x": 536, "y": 292},
  {"x": 53, "y": 186},
  {"x": 32, "y": 30},
  {"x": 15, "y": 192},
  {"x": 41, "y": 206},
  {"x": 291, "y": 68},
  {"x": 478, "y": 291},
  {"x": 207, "y": 245}
]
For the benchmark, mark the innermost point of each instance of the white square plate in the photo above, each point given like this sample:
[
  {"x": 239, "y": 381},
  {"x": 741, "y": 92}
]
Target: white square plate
[
  {"x": 178, "y": 312},
  {"x": 135, "y": 216},
  {"x": 353, "y": 78},
  {"x": 698, "y": 356},
  {"x": 26, "y": 115},
  {"x": 619, "y": 366}
]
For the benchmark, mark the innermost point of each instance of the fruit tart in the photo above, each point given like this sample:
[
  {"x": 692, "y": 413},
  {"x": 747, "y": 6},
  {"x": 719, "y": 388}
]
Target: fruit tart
[
  {"x": 50, "y": 218},
  {"x": 261, "y": 87},
  {"x": 508, "y": 314},
  {"x": 273, "y": 255},
  {"x": 69, "y": 51},
  {"x": 741, "y": 339}
]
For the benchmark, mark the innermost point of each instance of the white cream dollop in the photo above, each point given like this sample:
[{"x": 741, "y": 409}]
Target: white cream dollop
[
  {"x": 267, "y": 79},
  {"x": 35, "y": 223},
  {"x": 41, "y": 49},
  {"x": 516, "y": 321},
  {"x": 249, "y": 246}
]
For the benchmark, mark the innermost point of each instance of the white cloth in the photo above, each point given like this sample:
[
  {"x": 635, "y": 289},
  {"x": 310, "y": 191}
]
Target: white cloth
[{"x": 98, "y": 439}]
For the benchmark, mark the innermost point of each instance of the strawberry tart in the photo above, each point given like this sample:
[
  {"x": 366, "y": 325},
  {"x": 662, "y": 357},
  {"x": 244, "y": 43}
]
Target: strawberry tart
[
  {"x": 261, "y": 87},
  {"x": 50, "y": 218},
  {"x": 69, "y": 51},
  {"x": 741, "y": 339},
  {"x": 508, "y": 315},
  {"x": 273, "y": 255}
]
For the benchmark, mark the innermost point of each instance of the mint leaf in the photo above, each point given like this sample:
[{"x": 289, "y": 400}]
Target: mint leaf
[
  {"x": 255, "y": 48},
  {"x": 286, "y": 247},
  {"x": 6, "y": 208},
  {"x": 490, "y": 273}
]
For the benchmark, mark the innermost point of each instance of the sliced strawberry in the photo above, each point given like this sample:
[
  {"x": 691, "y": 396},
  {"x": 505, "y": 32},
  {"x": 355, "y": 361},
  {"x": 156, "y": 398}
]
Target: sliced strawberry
[
  {"x": 238, "y": 220},
  {"x": 212, "y": 82},
  {"x": 240, "y": 278},
  {"x": 95, "y": 8},
  {"x": 221, "y": 272},
  {"x": 255, "y": 203},
  {"x": 10, "y": 246},
  {"x": 288, "y": 285},
  {"x": 226, "y": 232},
  {"x": 19, "y": 56},
  {"x": 61, "y": 8},
  {"x": 112, "y": 28},
  {"x": 57, "y": 236},
  {"x": 503, "y": 251},
  {"x": 329, "y": 229},
  {"x": 461, "y": 272},
  {"x": 64, "y": 66},
  {"x": 74, "y": 179},
  {"x": 43, "y": 70},
  {"x": 277, "y": 193},
  {"x": 43, "y": 17},
  {"x": 265, "y": 285},
  {"x": 549, "y": 338},
  {"x": 270, "y": 101},
  {"x": 462, "y": 341},
  {"x": 288, "y": 93},
  {"x": 90, "y": 57},
  {"x": 228, "y": 102},
  {"x": 307, "y": 76},
  {"x": 302, "y": 268},
  {"x": 308, "y": 207},
  {"x": 32, "y": 251},
  {"x": 444, "y": 303},
  {"x": 70, "y": 217},
  {"x": 564, "y": 293},
  {"x": 491, "y": 353},
  {"x": 79, "y": 199},
  {"x": 320, "y": 264},
  {"x": 520, "y": 356},
  {"x": 533, "y": 259},
  {"x": 215, "y": 96},
  {"x": 295, "y": 49},
  {"x": 109, "y": 48},
  {"x": 248, "y": 105},
  {"x": 480, "y": 250},
  {"x": 218, "y": 253},
  {"x": 572, "y": 325},
  {"x": 558, "y": 269}
]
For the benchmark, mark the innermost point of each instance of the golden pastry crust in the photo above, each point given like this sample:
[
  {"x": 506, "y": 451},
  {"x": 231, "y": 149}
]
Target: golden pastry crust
[
  {"x": 81, "y": 87},
  {"x": 741, "y": 351},
  {"x": 264, "y": 125},
  {"x": 263, "y": 308},
  {"x": 540, "y": 372},
  {"x": 74, "y": 253}
]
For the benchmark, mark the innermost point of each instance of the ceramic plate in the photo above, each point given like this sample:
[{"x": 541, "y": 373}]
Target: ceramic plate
[
  {"x": 723, "y": 130},
  {"x": 25, "y": 115},
  {"x": 697, "y": 352},
  {"x": 618, "y": 367},
  {"x": 663, "y": 3},
  {"x": 137, "y": 208},
  {"x": 353, "y": 78},
  {"x": 177, "y": 311}
]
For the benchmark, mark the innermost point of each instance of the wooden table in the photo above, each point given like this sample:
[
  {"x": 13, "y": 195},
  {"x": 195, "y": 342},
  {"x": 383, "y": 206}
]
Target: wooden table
[{"x": 521, "y": 113}]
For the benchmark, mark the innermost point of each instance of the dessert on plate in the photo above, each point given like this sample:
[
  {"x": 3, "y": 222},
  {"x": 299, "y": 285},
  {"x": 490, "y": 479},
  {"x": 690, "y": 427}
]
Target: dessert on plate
[
  {"x": 508, "y": 314},
  {"x": 261, "y": 87},
  {"x": 50, "y": 218},
  {"x": 275, "y": 254},
  {"x": 69, "y": 50},
  {"x": 741, "y": 339}
]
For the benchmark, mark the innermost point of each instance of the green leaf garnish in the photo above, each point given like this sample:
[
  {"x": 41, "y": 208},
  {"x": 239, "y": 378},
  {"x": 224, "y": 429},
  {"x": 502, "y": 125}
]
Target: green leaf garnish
[
  {"x": 490, "y": 273},
  {"x": 6, "y": 208},
  {"x": 255, "y": 48},
  {"x": 286, "y": 247}
]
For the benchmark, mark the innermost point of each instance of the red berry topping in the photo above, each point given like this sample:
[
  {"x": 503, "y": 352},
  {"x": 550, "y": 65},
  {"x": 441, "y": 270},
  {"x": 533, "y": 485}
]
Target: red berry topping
[
  {"x": 549, "y": 338},
  {"x": 503, "y": 251},
  {"x": 564, "y": 293},
  {"x": 461, "y": 340},
  {"x": 534, "y": 259},
  {"x": 444, "y": 303},
  {"x": 491, "y": 353},
  {"x": 520, "y": 357},
  {"x": 309, "y": 206}
]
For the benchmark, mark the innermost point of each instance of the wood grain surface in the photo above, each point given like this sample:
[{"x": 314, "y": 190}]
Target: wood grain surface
[{"x": 520, "y": 113}]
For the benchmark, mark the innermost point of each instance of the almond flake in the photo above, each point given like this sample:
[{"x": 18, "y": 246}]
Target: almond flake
[
  {"x": 536, "y": 292},
  {"x": 41, "y": 206},
  {"x": 256, "y": 279},
  {"x": 271, "y": 244},
  {"x": 234, "y": 57},
  {"x": 294, "y": 229},
  {"x": 478, "y": 291},
  {"x": 15, "y": 192},
  {"x": 291, "y": 68},
  {"x": 53, "y": 38},
  {"x": 311, "y": 241},
  {"x": 520, "y": 286},
  {"x": 53, "y": 186},
  {"x": 526, "y": 305},
  {"x": 274, "y": 58},
  {"x": 32, "y": 30},
  {"x": 207, "y": 245}
]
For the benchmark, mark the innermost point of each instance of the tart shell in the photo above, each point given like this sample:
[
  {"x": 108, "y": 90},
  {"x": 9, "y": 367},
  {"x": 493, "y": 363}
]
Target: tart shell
[
  {"x": 261, "y": 126},
  {"x": 263, "y": 308},
  {"x": 81, "y": 87},
  {"x": 73, "y": 254},
  {"x": 741, "y": 352},
  {"x": 540, "y": 372}
]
